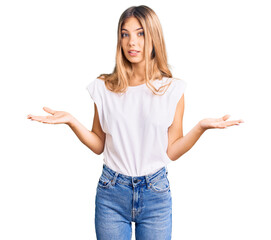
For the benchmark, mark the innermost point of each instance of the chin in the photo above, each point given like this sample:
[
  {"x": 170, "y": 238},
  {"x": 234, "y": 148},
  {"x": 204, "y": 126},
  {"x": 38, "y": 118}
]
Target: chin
[{"x": 134, "y": 60}]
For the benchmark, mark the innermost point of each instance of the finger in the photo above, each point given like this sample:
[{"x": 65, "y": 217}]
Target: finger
[
  {"x": 231, "y": 123},
  {"x": 48, "y": 119},
  {"x": 220, "y": 125},
  {"x": 240, "y": 121},
  {"x": 38, "y": 118},
  {"x": 237, "y": 121},
  {"x": 49, "y": 110},
  {"x": 225, "y": 117}
]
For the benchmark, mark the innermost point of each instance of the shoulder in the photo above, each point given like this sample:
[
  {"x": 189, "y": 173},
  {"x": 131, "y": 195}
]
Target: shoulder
[
  {"x": 176, "y": 85},
  {"x": 179, "y": 85},
  {"x": 172, "y": 81},
  {"x": 96, "y": 84},
  {"x": 98, "y": 81},
  {"x": 179, "y": 81},
  {"x": 101, "y": 77}
]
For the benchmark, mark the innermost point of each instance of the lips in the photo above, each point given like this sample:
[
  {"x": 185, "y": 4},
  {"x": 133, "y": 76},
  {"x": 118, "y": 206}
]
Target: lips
[{"x": 133, "y": 51}]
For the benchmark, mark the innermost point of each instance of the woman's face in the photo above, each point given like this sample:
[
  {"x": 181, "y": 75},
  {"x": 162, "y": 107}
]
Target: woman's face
[{"x": 132, "y": 38}]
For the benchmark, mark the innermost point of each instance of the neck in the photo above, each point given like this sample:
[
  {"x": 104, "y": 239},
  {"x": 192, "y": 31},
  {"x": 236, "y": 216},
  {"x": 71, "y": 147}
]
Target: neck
[{"x": 138, "y": 72}]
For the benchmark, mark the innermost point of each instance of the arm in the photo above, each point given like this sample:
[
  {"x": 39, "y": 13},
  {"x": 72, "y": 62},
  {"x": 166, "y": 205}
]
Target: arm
[
  {"x": 94, "y": 139},
  {"x": 88, "y": 138},
  {"x": 184, "y": 144},
  {"x": 179, "y": 145}
]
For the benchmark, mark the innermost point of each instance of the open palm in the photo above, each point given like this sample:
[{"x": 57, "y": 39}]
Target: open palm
[
  {"x": 209, "y": 123},
  {"x": 56, "y": 118}
]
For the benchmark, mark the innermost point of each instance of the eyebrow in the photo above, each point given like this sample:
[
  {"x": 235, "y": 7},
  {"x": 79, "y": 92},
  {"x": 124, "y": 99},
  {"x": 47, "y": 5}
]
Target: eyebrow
[{"x": 128, "y": 31}]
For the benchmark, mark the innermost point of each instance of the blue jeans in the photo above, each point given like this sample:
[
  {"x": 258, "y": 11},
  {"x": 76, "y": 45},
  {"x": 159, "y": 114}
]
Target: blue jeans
[{"x": 145, "y": 200}]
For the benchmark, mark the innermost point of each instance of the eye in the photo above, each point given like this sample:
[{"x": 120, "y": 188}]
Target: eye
[
  {"x": 124, "y": 34},
  {"x": 141, "y": 34}
]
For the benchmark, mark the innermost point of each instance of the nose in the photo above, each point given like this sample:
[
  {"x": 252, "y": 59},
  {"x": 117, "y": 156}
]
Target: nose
[{"x": 132, "y": 41}]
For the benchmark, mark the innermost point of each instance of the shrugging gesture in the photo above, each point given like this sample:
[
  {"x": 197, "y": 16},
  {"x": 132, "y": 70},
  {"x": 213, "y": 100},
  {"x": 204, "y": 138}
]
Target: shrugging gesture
[
  {"x": 57, "y": 117},
  {"x": 209, "y": 123}
]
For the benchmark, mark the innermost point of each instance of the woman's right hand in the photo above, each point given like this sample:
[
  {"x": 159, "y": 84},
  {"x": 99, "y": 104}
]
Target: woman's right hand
[{"x": 56, "y": 118}]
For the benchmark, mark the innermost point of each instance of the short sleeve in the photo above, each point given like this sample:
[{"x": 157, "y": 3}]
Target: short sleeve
[
  {"x": 95, "y": 92},
  {"x": 177, "y": 91}
]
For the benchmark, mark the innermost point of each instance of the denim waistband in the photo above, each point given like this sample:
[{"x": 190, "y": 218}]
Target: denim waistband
[{"x": 129, "y": 180}]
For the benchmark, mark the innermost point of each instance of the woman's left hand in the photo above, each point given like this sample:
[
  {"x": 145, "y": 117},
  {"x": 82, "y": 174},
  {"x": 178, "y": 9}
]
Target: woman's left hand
[{"x": 209, "y": 123}]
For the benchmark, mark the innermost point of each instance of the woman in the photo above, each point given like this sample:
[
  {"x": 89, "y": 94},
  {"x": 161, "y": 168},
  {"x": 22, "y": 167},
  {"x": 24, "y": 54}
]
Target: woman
[{"x": 138, "y": 127}]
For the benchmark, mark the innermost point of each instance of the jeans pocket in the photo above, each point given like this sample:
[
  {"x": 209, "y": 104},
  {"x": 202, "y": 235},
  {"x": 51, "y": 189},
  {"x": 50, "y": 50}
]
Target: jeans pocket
[
  {"x": 161, "y": 185},
  {"x": 104, "y": 181}
]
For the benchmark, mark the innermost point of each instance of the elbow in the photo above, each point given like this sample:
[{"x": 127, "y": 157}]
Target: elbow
[
  {"x": 175, "y": 151},
  {"x": 173, "y": 159},
  {"x": 97, "y": 149},
  {"x": 99, "y": 145},
  {"x": 101, "y": 150},
  {"x": 99, "y": 153},
  {"x": 171, "y": 156}
]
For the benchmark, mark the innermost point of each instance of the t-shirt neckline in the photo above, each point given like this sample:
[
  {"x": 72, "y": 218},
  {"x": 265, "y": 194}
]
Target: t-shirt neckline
[{"x": 137, "y": 85}]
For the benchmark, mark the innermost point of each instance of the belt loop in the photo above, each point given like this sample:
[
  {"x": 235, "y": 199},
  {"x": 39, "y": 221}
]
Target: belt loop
[
  {"x": 113, "y": 181},
  {"x": 147, "y": 181}
]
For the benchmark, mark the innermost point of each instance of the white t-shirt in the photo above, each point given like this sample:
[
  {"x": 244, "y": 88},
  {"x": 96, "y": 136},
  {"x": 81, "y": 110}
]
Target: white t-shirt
[{"x": 136, "y": 125}]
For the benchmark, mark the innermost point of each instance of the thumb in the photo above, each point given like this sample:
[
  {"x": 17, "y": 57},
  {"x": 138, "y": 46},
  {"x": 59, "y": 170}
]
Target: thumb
[
  {"x": 226, "y": 117},
  {"x": 49, "y": 110}
]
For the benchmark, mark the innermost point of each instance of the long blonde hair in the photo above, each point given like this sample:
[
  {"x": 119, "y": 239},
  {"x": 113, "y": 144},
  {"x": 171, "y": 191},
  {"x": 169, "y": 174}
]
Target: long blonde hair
[{"x": 156, "y": 65}]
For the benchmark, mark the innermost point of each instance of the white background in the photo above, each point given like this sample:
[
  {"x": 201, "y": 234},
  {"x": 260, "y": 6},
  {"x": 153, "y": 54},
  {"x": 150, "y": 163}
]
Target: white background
[{"x": 51, "y": 50}]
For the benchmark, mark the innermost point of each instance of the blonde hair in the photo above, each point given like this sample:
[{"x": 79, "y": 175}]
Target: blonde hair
[{"x": 156, "y": 64}]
